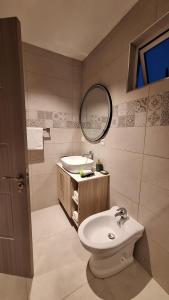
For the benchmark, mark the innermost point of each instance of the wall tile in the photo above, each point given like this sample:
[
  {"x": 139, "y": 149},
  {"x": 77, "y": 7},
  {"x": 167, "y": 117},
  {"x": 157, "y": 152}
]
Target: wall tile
[
  {"x": 154, "y": 258},
  {"x": 157, "y": 141},
  {"x": 130, "y": 139},
  {"x": 156, "y": 171},
  {"x": 156, "y": 225},
  {"x": 53, "y": 88},
  {"x": 44, "y": 191},
  {"x": 56, "y": 150},
  {"x": 120, "y": 200},
  {"x": 125, "y": 167},
  {"x": 154, "y": 198}
]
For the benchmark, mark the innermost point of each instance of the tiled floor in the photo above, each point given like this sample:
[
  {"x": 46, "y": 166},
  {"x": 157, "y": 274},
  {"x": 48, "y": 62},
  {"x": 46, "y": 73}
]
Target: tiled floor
[{"x": 61, "y": 270}]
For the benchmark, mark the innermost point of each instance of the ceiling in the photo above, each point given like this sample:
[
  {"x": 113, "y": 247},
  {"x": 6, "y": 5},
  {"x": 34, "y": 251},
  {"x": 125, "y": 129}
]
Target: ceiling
[{"x": 69, "y": 27}]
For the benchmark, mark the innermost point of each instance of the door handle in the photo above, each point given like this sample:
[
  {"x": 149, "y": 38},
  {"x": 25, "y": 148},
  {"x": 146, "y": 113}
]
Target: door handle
[{"x": 19, "y": 180}]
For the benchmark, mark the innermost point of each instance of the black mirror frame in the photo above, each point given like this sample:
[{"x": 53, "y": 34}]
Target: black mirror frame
[{"x": 102, "y": 135}]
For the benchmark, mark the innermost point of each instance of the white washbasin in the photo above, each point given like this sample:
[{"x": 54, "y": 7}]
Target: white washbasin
[{"x": 74, "y": 164}]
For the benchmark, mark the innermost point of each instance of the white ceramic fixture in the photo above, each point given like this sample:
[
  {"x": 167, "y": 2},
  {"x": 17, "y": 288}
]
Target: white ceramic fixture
[
  {"x": 111, "y": 240},
  {"x": 74, "y": 164}
]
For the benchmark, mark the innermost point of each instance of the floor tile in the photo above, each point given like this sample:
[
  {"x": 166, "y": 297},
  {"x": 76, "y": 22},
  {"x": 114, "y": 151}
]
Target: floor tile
[
  {"x": 59, "y": 283},
  {"x": 94, "y": 290},
  {"x": 58, "y": 251},
  {"x": 12, "y": 288},
  {"x": 48, "y": 222}
]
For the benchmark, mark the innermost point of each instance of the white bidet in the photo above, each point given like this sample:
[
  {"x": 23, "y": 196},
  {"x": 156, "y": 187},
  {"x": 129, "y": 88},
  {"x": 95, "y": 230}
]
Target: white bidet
[{"x": 110, "y": 238}]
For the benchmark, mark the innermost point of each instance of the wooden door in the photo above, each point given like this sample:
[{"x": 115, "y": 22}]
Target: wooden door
[
  {"x": 64, "y": 190},
  {"x": 15, "y": 219}
]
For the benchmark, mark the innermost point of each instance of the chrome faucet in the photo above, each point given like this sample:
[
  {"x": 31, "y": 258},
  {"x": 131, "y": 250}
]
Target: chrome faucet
[
  {"x": 121, "y": 212},
  {"x": 88, "y": 155}
]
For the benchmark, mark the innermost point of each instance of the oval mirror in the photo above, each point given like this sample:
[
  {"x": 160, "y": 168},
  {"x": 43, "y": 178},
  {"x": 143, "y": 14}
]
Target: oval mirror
[{"x": 96, "y": 113}]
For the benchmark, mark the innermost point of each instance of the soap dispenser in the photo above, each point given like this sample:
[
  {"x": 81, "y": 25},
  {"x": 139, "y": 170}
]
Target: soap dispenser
[{"x": 99, "y": 166}]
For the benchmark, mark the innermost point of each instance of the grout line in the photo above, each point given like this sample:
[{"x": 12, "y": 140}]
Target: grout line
[{"x": 143, "y": 157}]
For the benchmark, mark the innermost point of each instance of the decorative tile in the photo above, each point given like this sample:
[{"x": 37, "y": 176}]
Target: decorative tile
[
  {"x": 115, "y": 111},
  {"x": 35, "y": 123},
  {"x": 59, "y": 124},
  {"x": 47, "y": 115},
  {"x": 69, "y": 124},
  {"x": 104, "y": 119},
  {"x": 49, "y": 123},
  {"x": 155, "y": 102},
  {"x": 62, "y": 116},
  {"x": 130, "y": 121},
  {"x": 114, "y": 122},
  {"x": 122, "y": 121},
  {"x": 140, "y": 119},
  {"x": 33, "y": 114},
  {"x": 153, "y": 118},
  {"x": 122, "y": 109},
  {"x": 131, "y": 106},
  {"x": 76, "y": 124},
  {"x": 165, "y": 118},
  {"x": 165, "y": 101},
  {"x": 141, "y": 105}
]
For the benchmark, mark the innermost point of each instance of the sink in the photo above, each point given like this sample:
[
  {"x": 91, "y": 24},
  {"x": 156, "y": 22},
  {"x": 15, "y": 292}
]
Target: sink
[{"x": 74, "y": 164}]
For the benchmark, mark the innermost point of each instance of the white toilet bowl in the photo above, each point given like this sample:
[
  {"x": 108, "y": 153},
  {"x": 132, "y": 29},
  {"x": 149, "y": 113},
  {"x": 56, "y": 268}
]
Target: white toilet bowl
[{"x": 110, "y": 242}]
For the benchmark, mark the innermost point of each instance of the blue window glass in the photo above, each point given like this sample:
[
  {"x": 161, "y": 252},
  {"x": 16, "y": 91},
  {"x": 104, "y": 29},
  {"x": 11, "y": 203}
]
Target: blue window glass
[
  {"x": 140, "y": 81},
  {"x": 157, "y": 62}
]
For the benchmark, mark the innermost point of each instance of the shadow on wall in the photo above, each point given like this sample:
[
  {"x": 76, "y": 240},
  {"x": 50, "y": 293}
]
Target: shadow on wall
[
  {"x": 125, "y": 285},
  {"x": 142, "y": 253}
]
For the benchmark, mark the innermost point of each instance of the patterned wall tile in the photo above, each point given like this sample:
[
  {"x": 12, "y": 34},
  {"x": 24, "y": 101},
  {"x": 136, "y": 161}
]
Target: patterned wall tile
[
  {"x": 165, "y": 118},
  {"x": 114, "y": 122},
  {"x": 130, "y": 120},
  {"x": 165, "y": 109},
  {"x": 131, "y": 106},
  {"x": 35, "y": 123},
  {"x": 155, "y": 102},
  {"x": 154, "y": 110},
  {"x": 154, "y": 118},
  {"x": 59, "y": 124},
  {"x": 49, "y": 123},
  {"x": 140, "y": 119},
  {"x": 47, "y": 115},
  {"x": 33, "y": 114},
  {"x": 122, "y": 109},
  {"x": 122, "y": 121},
  {"x": 141, "y": 105},
  {"x": 115, "y": 111}
]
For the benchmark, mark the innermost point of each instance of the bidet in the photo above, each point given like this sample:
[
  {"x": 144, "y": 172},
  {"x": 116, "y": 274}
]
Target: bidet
[{"x": 111, "y": 243}]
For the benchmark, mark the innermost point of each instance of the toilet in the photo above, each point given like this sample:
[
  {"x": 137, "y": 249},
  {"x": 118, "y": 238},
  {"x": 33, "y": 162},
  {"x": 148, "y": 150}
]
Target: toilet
[{"x": 111, "y": 240}]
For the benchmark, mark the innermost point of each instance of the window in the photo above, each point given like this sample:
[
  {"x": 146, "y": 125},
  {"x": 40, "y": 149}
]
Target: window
[{"x": 149, "y": 56}]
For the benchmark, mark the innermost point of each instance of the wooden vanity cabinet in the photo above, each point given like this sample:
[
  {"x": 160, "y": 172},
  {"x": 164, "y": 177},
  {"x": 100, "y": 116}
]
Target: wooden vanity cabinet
[
  {"x": 64, "y": 190},
  {"x": 93, "y": 193}
]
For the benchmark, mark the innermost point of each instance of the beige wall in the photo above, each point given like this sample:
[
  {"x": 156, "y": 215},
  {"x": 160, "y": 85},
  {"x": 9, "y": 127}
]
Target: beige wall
[
  {"x": 136, "y": 151},
  {"x": 53, "y": 91}
]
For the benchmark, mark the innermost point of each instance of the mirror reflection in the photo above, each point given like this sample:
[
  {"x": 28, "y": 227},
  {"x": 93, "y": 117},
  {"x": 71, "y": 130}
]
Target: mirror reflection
[{"x": 96, "y": 113}]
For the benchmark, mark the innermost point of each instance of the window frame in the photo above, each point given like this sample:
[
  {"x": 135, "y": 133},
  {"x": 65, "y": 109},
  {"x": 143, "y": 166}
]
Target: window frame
[
  {"x": 155, "y": 34},
  {"x": 142, "y": 51}
]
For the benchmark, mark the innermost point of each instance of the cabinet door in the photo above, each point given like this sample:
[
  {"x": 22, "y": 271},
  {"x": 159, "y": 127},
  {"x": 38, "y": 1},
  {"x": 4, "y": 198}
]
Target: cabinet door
[{"x": 64, "y": 190}]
